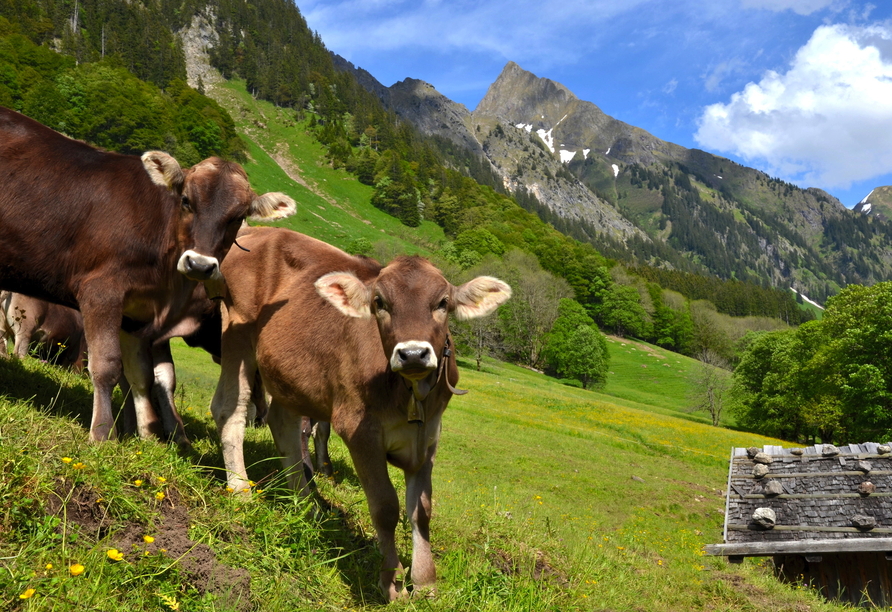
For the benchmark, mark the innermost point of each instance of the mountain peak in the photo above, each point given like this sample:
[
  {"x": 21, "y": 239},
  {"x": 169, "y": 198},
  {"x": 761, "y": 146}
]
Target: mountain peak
[{"x": 518, "y": 95}]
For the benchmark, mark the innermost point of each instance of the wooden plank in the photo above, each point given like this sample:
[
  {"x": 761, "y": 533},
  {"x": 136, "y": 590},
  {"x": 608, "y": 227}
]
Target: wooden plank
[
  {"x": 814, "y": 474},
  {"x": 807, "y": 495},
  {"x": 765, "y": 549},
  {"x": 808, "y": 528}
]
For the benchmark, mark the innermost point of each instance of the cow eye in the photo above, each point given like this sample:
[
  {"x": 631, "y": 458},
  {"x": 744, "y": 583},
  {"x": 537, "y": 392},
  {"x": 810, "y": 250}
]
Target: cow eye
[
  {"x": 443, "y": 305},
  {"x": 379, "y": 302},
  {"x": 187, "y": 205}
]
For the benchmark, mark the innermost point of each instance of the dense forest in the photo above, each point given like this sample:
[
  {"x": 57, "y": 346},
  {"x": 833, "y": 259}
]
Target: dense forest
[{"x": 118, "y": 83}]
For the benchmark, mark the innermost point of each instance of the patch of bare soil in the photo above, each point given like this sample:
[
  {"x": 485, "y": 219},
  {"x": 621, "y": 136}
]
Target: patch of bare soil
[
  {"x": 232, "y": 586},
  {"x": 541, "y": 570}
]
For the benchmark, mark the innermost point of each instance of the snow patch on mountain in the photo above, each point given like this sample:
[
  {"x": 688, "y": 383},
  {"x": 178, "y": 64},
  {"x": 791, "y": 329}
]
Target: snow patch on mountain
[
  {"x": 805, "y": 298},
  {"x": 547, "y": 138}
]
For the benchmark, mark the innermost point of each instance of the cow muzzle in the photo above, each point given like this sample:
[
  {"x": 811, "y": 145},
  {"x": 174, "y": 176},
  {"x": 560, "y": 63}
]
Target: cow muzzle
[
  {"x": 198, "y": 267},
  {"x": 413, "y": 360}
]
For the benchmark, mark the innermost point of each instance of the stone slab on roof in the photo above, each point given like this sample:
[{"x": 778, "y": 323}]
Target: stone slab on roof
[{"x": 822, "y": 497}]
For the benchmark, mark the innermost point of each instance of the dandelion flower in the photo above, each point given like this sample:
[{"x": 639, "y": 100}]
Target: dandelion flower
[
  {"x": 159, "y": 495},
  {"x": 161, "y": 479},
  {"x": 114, "y": 554},
  {"x": 27, "y": 593},
  {"x": 77, "y": 569},
  {"x": 148, "y": 539},
  {"x": 67, "y": 459},
  {"x": 79, "y": 465},
  {"x": 137, "y": 482},
  {"x": 48, "y": 566}
]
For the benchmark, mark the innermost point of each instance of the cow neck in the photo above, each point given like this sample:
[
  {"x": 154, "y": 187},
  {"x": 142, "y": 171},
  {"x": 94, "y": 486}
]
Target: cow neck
[{"x": 422, "y": 388}]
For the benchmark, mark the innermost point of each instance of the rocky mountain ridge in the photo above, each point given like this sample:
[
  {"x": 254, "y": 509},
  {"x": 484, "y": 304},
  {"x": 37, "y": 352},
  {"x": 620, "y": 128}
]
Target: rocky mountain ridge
[{"x": 647, "y": 200}]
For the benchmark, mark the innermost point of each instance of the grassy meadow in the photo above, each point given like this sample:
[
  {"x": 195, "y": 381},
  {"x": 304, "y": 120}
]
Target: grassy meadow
[{"x": 546, "y": 497}]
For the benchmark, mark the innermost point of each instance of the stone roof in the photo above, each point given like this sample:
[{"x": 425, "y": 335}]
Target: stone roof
[{"x": 813, "y": 499}]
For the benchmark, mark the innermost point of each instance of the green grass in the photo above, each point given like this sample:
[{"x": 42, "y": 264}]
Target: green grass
[{"x": 546, "y": 497}]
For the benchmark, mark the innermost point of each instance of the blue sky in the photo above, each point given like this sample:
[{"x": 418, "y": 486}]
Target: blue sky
[{"x": 801, "y": 89}]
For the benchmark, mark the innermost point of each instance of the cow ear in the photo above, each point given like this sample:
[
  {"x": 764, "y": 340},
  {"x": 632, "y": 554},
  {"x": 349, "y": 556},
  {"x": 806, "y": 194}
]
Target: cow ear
[
  {"x": 164, "y": 170},
  {"x": 480, "y": 297},
  {"x": 346, "y": 293},
  {"x": 271, "y": 206}
]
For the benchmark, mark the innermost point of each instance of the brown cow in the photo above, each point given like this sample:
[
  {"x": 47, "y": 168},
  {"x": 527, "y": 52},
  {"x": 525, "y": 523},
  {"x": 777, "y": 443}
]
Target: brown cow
[
  {"x": 340, "y": 339},
  {"x": 58, "y": 331},
  {"x": 124, "y": 239}
]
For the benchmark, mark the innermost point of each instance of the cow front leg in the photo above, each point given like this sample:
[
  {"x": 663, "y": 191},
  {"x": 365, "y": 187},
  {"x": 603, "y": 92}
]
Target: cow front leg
[
  {"x": 384, "y": 506},
  {"x": 230, "y": 410},
  {"x": 136, "y": 356},
  {"x": 101, "y": 323},
  {"x": 321, "y": 436},
  {"x": 287, "y": 429},
  {"x": 418, "y": 508},
  {"x": 163, "y": 389}
]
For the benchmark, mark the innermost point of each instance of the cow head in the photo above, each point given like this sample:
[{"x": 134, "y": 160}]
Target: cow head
[
  {"x": 411, "y": 302},
  {"x": 215, "y": 198}
]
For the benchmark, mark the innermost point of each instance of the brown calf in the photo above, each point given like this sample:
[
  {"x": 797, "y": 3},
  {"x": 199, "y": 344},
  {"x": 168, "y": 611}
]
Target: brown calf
[
  {"x": 123, "y": 239},
  {"x": 340, "y": 339}
]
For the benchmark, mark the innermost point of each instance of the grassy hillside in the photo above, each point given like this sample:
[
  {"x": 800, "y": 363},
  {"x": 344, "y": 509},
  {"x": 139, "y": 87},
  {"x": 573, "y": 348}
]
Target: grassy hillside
[
  {"x": 546, "y": 497},
  {"x": 331, "y": 204}
]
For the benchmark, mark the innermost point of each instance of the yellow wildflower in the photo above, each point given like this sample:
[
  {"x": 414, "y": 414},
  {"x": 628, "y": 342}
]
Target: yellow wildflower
[
  {"x": 79, "y": 465},
  {"x": 148, "y": 539},
  {"x": 114, "y": 554},
  {"x": 27, "y": 593},
  {"x": 137, "y": 482},
  {"x": 67, "y": 459},
  {"x": 77, "y": 569},
  {"x": 161, "y": 479},
  {"x": 48, "y": 566},
  {"x": 159, "y": 495}
]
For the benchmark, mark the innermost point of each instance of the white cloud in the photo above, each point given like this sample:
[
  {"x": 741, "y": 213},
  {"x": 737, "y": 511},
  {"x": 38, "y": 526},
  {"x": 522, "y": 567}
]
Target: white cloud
[
  {"x": 670, "y": 87},
  {"x": 801, "y": 7},
  {"x": 827, "y": 121}
]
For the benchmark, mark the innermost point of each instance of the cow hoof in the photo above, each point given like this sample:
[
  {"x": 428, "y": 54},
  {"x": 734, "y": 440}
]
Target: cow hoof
[
  {"x": 428, "y": 591},
  {"x": 394, "y": 591}
]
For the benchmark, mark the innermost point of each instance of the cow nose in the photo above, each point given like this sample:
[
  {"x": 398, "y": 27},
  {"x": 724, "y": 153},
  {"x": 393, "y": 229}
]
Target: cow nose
[
  {"x": 200, "y": 267},
  {"x": 413, "y": 358},
  {"x": 414, "y": 355}
]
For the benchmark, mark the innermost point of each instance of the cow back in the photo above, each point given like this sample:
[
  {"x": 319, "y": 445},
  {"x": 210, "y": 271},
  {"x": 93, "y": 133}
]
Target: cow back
[
  {"x": 308, "y": 352},
  {"x": 65, "y": 208}
]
